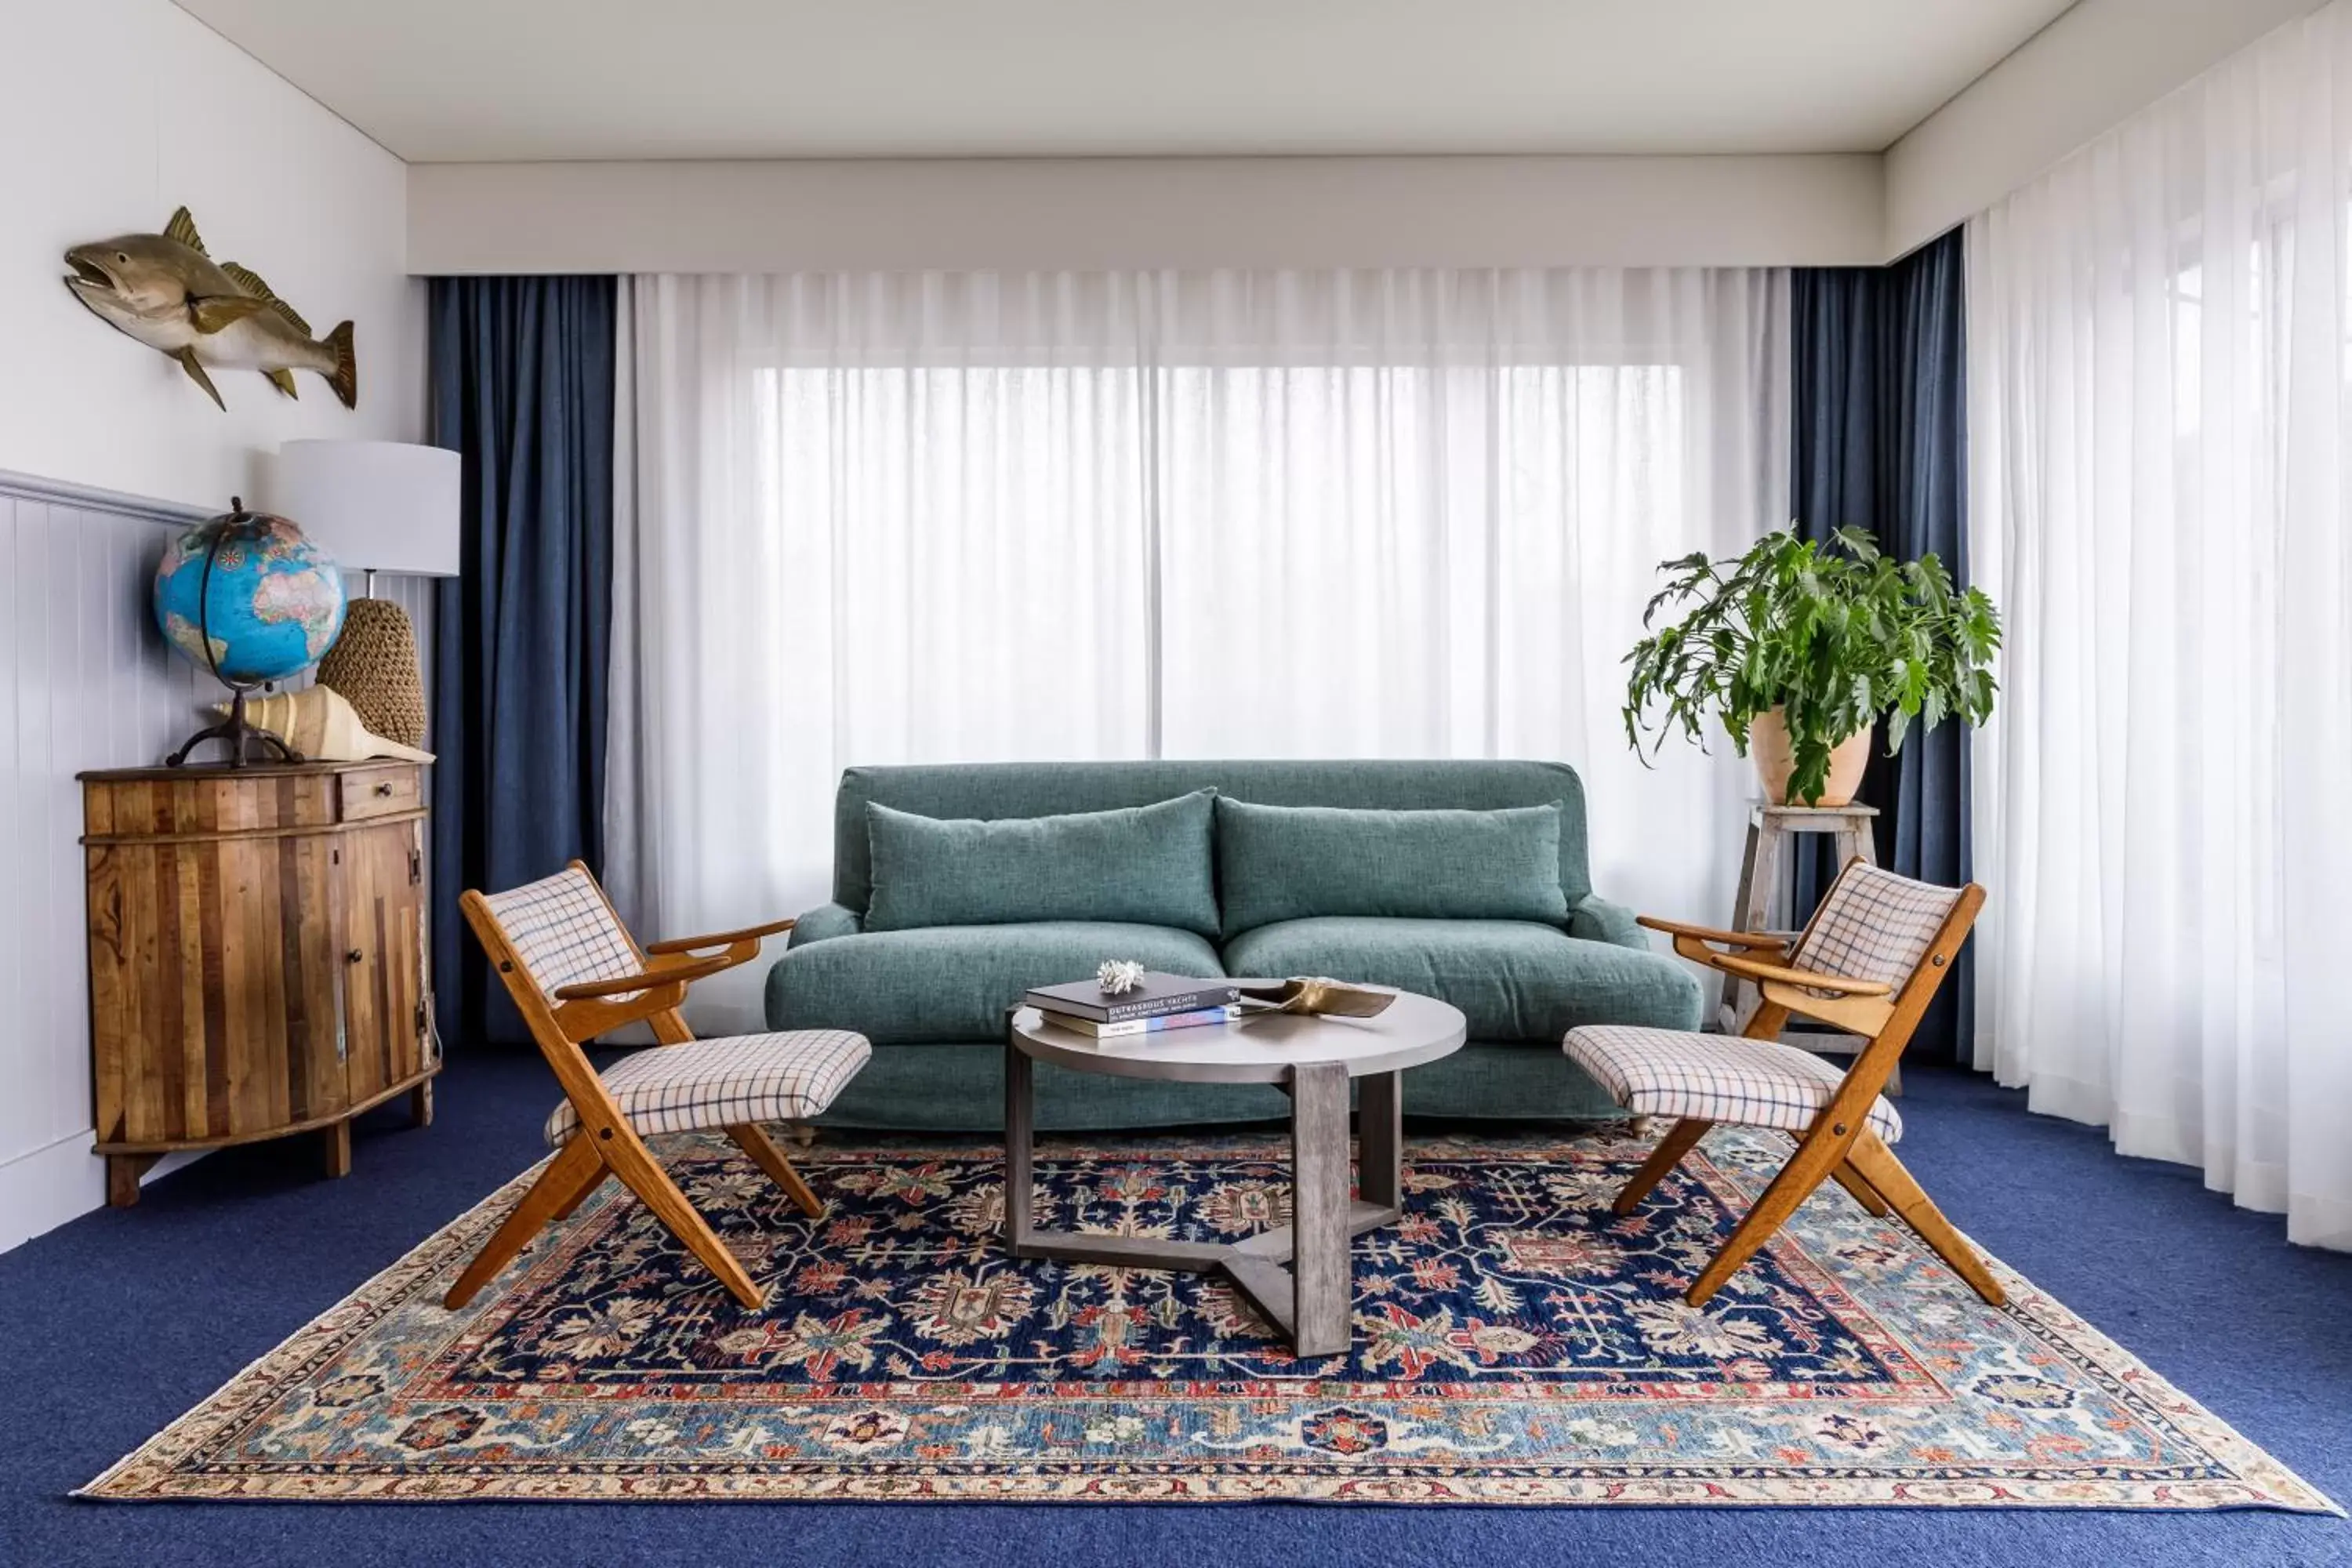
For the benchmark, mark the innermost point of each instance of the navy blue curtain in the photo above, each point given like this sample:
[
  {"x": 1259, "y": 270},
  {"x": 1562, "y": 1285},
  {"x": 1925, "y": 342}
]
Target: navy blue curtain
[
  {"x": 522, "y": 385},
  {"x": 1880, "y": 399}
]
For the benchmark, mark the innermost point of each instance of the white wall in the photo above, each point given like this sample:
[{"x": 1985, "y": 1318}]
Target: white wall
[
  {"x": 112, "y": 112},
  {"x": 1087, "y": 213},
  {"x": 84, "y": 683},
  {"x": 2099, "y": 63}
]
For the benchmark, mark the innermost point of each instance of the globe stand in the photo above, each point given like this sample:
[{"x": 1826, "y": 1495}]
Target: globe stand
[{"x": 240, "y": 736}]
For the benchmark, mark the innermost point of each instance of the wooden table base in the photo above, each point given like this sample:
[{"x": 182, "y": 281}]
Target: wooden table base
[{"x": 1297, "y": 1275}]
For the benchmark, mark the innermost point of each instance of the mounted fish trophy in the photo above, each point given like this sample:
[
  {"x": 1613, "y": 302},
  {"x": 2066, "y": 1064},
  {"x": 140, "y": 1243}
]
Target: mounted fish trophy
[{"x": 164, "y": 292}]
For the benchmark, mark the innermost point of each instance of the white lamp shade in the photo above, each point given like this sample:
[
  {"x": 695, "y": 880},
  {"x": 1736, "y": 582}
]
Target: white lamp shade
[{"x": 375, "y": 506}]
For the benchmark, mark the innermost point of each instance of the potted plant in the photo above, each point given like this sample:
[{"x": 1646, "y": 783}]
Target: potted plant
[{"x": 1800, "y": 647}]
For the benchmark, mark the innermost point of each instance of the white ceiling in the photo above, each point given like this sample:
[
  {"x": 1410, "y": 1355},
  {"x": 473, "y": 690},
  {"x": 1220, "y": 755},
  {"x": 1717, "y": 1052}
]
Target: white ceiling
[{"x": 463, "y": 80}]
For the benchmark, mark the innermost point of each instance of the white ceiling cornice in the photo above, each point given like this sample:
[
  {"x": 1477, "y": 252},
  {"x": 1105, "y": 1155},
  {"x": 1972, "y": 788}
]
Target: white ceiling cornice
[
  {"x": 2095, "y": 67},
  {"x": 1085, "y": 214},
  {"x": 494, "y": 80}
]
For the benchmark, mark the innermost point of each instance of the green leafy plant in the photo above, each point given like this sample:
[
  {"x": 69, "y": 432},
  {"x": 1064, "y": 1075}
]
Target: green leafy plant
[{"x": 1833, "y": 635}]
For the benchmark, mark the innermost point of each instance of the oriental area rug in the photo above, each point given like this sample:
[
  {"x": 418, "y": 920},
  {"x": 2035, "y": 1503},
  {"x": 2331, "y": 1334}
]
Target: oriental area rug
[{"x": 1515, "y": 1343}]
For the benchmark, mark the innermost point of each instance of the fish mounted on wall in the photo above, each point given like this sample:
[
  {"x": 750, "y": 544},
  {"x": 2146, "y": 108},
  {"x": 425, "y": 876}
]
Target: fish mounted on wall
[{"x": 166, "y": 291}]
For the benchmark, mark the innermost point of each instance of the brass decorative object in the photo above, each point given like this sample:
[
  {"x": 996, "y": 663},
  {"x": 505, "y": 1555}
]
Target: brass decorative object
[{"x": 1320, "y": 997}]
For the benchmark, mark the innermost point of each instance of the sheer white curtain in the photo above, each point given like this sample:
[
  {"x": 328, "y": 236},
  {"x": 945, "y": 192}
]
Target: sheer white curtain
[
  {"x": 912, "y": 517},
  {"x": 2159, "y": 349}
]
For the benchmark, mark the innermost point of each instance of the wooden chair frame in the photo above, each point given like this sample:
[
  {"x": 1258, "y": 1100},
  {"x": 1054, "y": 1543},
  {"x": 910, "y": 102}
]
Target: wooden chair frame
[
  {"x": 606, "y": 1144},
  {"x": 1840, "y": 1145}
]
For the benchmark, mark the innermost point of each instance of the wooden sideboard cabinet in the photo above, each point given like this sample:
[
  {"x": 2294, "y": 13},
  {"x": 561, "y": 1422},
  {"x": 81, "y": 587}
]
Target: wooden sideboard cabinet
[{"x": 257, "y": 959}]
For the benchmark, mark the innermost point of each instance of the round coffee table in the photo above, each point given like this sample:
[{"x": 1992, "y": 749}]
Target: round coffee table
[{"x": 1297, "y": 1275}]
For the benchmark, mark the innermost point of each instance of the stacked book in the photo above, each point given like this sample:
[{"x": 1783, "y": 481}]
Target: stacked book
[{"x": 1160, "y": 1002}]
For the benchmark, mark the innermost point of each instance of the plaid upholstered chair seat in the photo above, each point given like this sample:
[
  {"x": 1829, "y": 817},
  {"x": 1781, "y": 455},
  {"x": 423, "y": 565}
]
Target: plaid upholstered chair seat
[
  {"x": 1867, "y": 965},
  {"x": 1715, "y": 1078},
  {"x": 576, "y": 973},
  {"x": 724, "y": 1083}
]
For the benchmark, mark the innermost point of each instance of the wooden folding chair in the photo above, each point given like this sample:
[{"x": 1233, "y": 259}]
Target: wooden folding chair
[
  {"x": 1869, "y": 962},
  {"x": 576, "y": 973}
]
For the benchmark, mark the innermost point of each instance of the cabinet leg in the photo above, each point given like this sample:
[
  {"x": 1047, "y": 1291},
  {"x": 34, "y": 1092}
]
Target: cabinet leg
[
  {"x": 420, "y": 1104},
  {"x": 335, "y": 1148},
  {"x": 122, "y": 1174}
]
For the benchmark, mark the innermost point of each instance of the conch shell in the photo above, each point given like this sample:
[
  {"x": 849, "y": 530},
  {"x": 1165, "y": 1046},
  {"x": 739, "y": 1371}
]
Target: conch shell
[{"x": 321, "y": 723}]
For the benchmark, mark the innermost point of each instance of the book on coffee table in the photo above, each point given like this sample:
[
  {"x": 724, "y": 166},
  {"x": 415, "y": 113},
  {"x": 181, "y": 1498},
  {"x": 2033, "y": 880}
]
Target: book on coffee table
[
  {"x": 1130, "y": 1028},
  {"x": 1157, "y": 997},
  {"x": 1168, "y": 996}
]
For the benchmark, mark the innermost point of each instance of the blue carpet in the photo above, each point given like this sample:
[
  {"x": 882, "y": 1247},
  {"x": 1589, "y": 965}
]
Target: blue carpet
[{"x": 117, "y": 1322}]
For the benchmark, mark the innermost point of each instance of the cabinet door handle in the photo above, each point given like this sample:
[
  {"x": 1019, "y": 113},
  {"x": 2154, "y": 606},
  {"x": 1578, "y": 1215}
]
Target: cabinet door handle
[{"x": 354, "y": 956}]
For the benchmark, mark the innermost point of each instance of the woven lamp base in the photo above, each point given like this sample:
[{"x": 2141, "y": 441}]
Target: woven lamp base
[{"x": 374, "y": 665}]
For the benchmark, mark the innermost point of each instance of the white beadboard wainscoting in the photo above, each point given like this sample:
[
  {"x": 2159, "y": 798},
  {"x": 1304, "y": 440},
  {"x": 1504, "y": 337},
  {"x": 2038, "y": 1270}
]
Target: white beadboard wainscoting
[{"x": 86, "y": 681}]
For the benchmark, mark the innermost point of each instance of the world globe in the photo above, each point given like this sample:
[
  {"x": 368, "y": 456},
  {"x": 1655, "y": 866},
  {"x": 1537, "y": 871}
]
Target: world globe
[{"x": 246, "y": 596}]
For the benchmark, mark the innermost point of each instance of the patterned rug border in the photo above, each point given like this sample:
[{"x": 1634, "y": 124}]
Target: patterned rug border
[{"x": 147, "y": 1473}]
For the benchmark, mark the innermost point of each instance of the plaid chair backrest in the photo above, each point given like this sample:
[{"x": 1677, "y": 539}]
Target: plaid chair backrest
[
  {"x": 563, "y": 931},
  {"x": 1875, "y": 925}
]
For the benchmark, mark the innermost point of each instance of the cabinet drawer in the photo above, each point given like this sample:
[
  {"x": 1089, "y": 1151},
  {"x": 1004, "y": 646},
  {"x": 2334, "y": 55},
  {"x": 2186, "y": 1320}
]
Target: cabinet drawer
[{"x": 380, "y": 792}]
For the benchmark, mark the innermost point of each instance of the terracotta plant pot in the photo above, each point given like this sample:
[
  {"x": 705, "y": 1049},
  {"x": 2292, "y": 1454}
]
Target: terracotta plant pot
[{"x": 1776, "y": 759}]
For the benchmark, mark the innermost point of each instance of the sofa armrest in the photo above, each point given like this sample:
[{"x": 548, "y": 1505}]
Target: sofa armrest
[
  {"x": 1595, "y": 919},
  {"x": 824, "y": 922}
]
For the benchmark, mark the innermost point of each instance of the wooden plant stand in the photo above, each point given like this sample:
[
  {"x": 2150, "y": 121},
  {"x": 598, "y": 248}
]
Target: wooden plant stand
[{"x": 1772, "y": 831}]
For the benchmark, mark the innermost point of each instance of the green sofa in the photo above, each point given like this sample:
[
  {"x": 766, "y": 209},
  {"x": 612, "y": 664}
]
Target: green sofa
[{"x": 933, "y": 999}]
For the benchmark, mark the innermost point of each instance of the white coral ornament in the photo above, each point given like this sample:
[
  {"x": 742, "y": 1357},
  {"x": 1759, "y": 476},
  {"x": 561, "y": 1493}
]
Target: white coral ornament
[{"x": 1117, "y": 976}]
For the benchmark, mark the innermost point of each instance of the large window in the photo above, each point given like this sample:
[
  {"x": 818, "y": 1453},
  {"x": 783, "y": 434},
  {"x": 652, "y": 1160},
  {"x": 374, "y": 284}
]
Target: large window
[
  {"x": 957, "y": 518},
  {"x": 2160, "y": 499}
]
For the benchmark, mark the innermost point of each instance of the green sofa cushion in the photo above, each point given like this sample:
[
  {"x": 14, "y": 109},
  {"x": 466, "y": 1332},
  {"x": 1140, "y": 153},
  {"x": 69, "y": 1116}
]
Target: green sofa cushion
[
  {"x": 1147, "y": 865},
  {"x": 992, "y": 790},
  {"x": 1292, "y": 862},
  {"x": 1514, "y": 980},
  {"x": 954, "y": 983}
]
